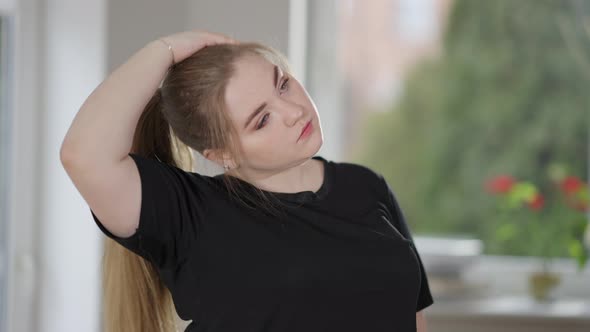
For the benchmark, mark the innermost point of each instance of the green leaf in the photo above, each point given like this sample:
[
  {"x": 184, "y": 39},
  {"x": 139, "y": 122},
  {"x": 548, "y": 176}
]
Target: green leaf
[
  {"x": 578, "y": 228},
  {"x": 583, "y": 194},
  {"x": 576, "y": 250},
  {"x": 506, "y": 232}
]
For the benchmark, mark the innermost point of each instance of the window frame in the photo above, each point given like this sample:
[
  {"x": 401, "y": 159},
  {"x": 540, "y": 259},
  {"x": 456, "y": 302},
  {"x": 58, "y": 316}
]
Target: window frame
[
  {"x": 6, "y": 112},
  {"x": 22, "y": 175}
]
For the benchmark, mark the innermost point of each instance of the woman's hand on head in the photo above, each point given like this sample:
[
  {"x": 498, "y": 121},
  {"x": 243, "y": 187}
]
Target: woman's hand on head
[{"x": 185, "y": 43}]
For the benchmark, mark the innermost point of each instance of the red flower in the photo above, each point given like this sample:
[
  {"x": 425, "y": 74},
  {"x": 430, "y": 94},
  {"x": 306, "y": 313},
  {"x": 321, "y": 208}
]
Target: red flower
[
  {"x": 500, "y": 184},
  {"x": 571, "y": 185},
  {"x": 537, "y": 202}
]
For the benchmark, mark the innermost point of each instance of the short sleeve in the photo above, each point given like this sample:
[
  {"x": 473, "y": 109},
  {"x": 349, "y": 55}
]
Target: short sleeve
[
  {"x": 172, "y": 209},
  {"x": 424, "y": 297}
]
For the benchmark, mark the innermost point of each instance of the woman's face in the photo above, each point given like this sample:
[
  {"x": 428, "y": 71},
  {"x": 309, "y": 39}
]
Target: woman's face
[{"x": 270, "y": 108}]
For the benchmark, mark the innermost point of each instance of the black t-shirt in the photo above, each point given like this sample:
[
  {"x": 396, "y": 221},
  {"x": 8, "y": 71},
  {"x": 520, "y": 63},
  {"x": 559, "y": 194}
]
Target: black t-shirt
[{"x": 342, "y": 260}]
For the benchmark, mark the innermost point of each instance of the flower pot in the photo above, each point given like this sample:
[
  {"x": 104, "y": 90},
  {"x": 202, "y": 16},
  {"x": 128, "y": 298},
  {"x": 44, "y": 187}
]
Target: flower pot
[{"x": 541, "y": 284}]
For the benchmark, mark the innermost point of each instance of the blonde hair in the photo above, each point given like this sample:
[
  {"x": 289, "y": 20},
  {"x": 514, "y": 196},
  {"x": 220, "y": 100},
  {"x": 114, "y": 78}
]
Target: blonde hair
[{"x": 187, "y": 112}]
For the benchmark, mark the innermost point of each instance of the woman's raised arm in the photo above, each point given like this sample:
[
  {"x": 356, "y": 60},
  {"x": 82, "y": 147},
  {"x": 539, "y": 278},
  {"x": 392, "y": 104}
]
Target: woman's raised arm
[
  {"x": 102, "y": 130},
  {"x": 95, "y": 149}
]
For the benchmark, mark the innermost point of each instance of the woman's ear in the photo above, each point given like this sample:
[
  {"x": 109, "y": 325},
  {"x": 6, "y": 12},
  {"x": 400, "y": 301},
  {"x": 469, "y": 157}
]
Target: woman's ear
[
  {"x": 213, "y": 156},
  {"x": 219, "y": 158}
]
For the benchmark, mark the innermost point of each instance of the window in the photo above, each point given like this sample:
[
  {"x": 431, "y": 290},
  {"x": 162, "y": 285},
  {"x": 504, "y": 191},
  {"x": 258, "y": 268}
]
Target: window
[
  {"x": 455, "y": 93},
  {"x": 415, "y": 21}
]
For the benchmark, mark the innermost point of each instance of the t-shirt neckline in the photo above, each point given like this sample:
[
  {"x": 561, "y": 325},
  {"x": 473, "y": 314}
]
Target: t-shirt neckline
[{"x": 306, "y": 196}]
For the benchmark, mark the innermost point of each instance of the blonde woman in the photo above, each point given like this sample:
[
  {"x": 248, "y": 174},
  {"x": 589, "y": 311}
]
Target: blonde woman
[{"x": 283, "y": 240}]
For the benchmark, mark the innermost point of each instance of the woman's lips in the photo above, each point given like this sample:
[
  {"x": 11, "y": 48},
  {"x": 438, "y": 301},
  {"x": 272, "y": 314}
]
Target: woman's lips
[{"x": 306, "y": 130}]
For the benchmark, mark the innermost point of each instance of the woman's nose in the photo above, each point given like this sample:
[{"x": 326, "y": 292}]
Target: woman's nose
[{"x": 292, "y": 112}]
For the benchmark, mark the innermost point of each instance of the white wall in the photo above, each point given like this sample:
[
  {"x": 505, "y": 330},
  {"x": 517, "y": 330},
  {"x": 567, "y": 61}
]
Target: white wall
[
  {"x": 73, "y": 63},
  {"x": 59, "y": 58},
  {"x": 65, "y": 48},
  {"x": 261, "y": 20},
  {"x": 133, "y": 23}
]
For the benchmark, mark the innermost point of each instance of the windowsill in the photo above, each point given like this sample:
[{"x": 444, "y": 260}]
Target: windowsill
[
  {"x": 496, "y": 288},
  {"x": 457, "y": 269},
  {"x": 519, "y": 307}
]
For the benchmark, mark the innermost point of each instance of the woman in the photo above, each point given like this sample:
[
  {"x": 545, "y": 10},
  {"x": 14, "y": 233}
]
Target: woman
[{"x": 283, "y": 240}]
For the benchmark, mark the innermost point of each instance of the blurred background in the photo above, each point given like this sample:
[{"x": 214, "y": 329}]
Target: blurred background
[{"x": 476, "y": 112}]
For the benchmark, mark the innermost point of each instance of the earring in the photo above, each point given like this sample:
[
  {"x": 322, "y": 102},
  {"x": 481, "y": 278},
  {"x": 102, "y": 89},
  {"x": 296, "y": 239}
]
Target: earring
[{"x": 226, "y": 167}]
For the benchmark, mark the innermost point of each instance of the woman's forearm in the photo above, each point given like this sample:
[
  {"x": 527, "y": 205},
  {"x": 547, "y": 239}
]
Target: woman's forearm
[{"x": 103, "y": 128}]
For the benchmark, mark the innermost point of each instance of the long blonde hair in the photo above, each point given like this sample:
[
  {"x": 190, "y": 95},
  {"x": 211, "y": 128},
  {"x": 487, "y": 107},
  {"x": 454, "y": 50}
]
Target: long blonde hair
[{"x": 187, "y": 112}]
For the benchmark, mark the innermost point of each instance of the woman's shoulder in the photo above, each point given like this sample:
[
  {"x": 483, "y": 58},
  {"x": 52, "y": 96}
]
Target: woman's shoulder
[
  {"x": 152, "y": 170},
  {"x": 359, "y": 176}
]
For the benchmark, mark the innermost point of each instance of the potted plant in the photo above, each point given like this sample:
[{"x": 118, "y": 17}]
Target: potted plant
[{"x": 551, "y": 226}]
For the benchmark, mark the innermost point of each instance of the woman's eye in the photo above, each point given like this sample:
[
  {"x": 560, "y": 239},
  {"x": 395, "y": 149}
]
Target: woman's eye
[
  {"x": 262, "y": 122},
  {"x": 284, "y": 85}
]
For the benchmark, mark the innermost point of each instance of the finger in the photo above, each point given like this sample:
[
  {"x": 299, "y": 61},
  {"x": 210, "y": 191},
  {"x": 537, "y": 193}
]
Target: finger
[
  {"x": 223, "y": 38},
  {"x": 215, "y": 41},
  {"x": 232, "y": 41}
]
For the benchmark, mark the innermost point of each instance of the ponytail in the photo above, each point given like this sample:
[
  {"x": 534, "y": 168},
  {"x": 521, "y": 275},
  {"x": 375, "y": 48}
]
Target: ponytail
[
  {"x": 154, "y": 138},
  {"x": 135, "y": 299}
]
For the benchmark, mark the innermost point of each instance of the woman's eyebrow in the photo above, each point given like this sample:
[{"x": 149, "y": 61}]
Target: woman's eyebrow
[{"x": 263, "y": 105}]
